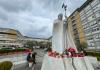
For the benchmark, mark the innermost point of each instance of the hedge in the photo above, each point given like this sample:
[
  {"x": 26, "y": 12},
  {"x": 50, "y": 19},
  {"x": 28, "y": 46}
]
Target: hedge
[
  {"x": 6, "y": 65},
  {"x": 98, "y": 58},
  {"x": 96, "y": 54},
  {"x": 11, "y": 50}
]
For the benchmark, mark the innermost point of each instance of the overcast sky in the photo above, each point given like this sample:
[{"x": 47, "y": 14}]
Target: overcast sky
[{"x": 33, "y": 18}]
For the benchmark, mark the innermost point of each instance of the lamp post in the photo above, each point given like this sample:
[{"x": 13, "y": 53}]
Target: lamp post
[
  {"x": 65, "y": 26},
  {"x": 64, "y": 31},
  {"x": 65, "y": 34},
  {"x": 65, "y": 8}
]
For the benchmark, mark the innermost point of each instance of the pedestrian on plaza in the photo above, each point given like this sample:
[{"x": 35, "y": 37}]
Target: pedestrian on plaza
[
  {"x": 34, "y": 57},
  {"x": 33, "y": 60},
  {"x": 29, "y": 59},
  {"x": 28, "y": 56}
]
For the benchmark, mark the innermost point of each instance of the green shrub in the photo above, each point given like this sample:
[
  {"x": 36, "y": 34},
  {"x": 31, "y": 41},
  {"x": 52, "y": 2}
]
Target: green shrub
[
  {"x": 96, "y": 54},
  {"x": 98, "y": 58},
  {"x": 93, "y": 54},
  {"x": 11, "y": 50},
  {"x": 6, "y": 65}
]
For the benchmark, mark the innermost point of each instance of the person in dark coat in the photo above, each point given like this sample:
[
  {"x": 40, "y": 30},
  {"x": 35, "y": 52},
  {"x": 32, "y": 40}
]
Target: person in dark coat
[
  {"x": 34, "y": 57},
  {"x": 29, "y": 57}
]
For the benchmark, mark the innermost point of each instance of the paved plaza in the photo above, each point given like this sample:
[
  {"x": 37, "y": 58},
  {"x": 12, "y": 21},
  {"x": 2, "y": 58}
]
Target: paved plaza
[
  {"x": 37, "y": 67},
  {"x": 20, "y": 60},
  {"x": 39, "y": 59},
  {"x": 24, "y": 66}
]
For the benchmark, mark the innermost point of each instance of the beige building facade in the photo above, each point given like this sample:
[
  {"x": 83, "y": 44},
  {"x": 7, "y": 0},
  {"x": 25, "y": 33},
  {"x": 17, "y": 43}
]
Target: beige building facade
[
  {"x": 9, "y": 38},
  {"x": 13, "y": 38},
  {"x": 84, "y": 24},
  {"x": 75, "y": 27}
]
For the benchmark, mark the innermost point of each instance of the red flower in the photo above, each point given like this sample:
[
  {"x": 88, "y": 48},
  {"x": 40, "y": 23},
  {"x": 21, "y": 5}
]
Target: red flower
[
  {"x": 62, "y": 56},
  {"x": 81, "y": 55},
  {"x": 71, "y": 50},
  {"x": 50, "y": 53}
]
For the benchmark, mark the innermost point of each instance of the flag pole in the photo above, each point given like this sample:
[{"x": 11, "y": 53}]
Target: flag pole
[
  {"x": 64, "y": 31},
  {"x": 65, "y": 8}
]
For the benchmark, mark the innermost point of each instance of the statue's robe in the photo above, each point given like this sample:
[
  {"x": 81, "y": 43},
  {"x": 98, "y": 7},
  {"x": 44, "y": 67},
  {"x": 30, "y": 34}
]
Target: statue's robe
[{"x": 58, "y": 37}]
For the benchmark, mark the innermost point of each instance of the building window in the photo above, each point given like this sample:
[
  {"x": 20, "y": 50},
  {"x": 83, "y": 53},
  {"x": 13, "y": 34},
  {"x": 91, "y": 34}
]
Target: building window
[
  {"x": 76, "y": 36},
  {"x": 73, "y": 21},
  {"x": 90, "y": 38},
  {"x": 97, "y": 14},
  {"x": 1, "y": 36},
  {"x": 82, "y": 13},
  {"x": 95, "y": 2},
  {"x": 90, "y": 18},
  {"x": 74, "y": 24},
  {"x": 87, "y": 31},
  {"x": 98, "y": 29},
  {"x": 84, "y": 21},
  {"x": 93, "y": 23},
  {"x": 98, "y": 19},
  {"x": 83, "y": 18},
  {"x": 96, "y": 37},
  {"x": 90, "y": 12},
  {"x": 87, "y": 8},
  {"x": 98, "y": 43},
  {"x": 96, "y": 8},
  {"x": 73, "y": 17},
  {"x": 90, "y": 44},
  {"x": 95, "y": 29},
  {"x": 90, "y": 41},
  {"x": 74, "y": 28},
  {"x": 75, "y": 32},
  {"x": 86, "y": 26}
]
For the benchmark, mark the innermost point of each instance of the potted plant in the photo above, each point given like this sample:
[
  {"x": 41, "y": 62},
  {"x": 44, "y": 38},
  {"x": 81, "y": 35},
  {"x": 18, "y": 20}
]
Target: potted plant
[{"x": 6, "y": 65}]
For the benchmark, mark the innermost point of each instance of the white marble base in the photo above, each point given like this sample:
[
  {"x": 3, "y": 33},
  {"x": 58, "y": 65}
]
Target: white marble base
[{"x": 79, "y": 63}]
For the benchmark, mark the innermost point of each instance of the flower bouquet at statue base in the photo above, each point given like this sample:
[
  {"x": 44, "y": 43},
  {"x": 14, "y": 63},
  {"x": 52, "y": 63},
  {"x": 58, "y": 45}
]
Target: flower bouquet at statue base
[{"x": 30, "y": 62}]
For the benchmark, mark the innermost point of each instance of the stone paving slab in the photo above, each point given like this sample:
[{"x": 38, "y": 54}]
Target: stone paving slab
[{"x": 25, "y": 67}]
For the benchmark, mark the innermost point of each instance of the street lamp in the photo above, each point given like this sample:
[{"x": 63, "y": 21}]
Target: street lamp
[{"x": 65, "y": 8}]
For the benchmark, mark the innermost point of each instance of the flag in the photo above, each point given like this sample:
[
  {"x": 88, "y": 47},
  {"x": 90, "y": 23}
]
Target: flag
[{"x": 63, "y": 5}]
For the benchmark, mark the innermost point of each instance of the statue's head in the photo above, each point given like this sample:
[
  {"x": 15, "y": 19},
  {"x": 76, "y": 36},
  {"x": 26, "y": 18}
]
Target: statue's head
[{"x": 60, "y": 16}]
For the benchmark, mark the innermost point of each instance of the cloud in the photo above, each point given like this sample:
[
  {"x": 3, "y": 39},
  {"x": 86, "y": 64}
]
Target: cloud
[
  {"x": 3, "y": 14},
  {"x": 33, "y": 17},
  {"x": 15, "y": 5}
]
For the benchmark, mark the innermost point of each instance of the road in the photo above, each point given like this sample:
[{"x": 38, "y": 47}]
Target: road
[{"x": 39, "y": 59}]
